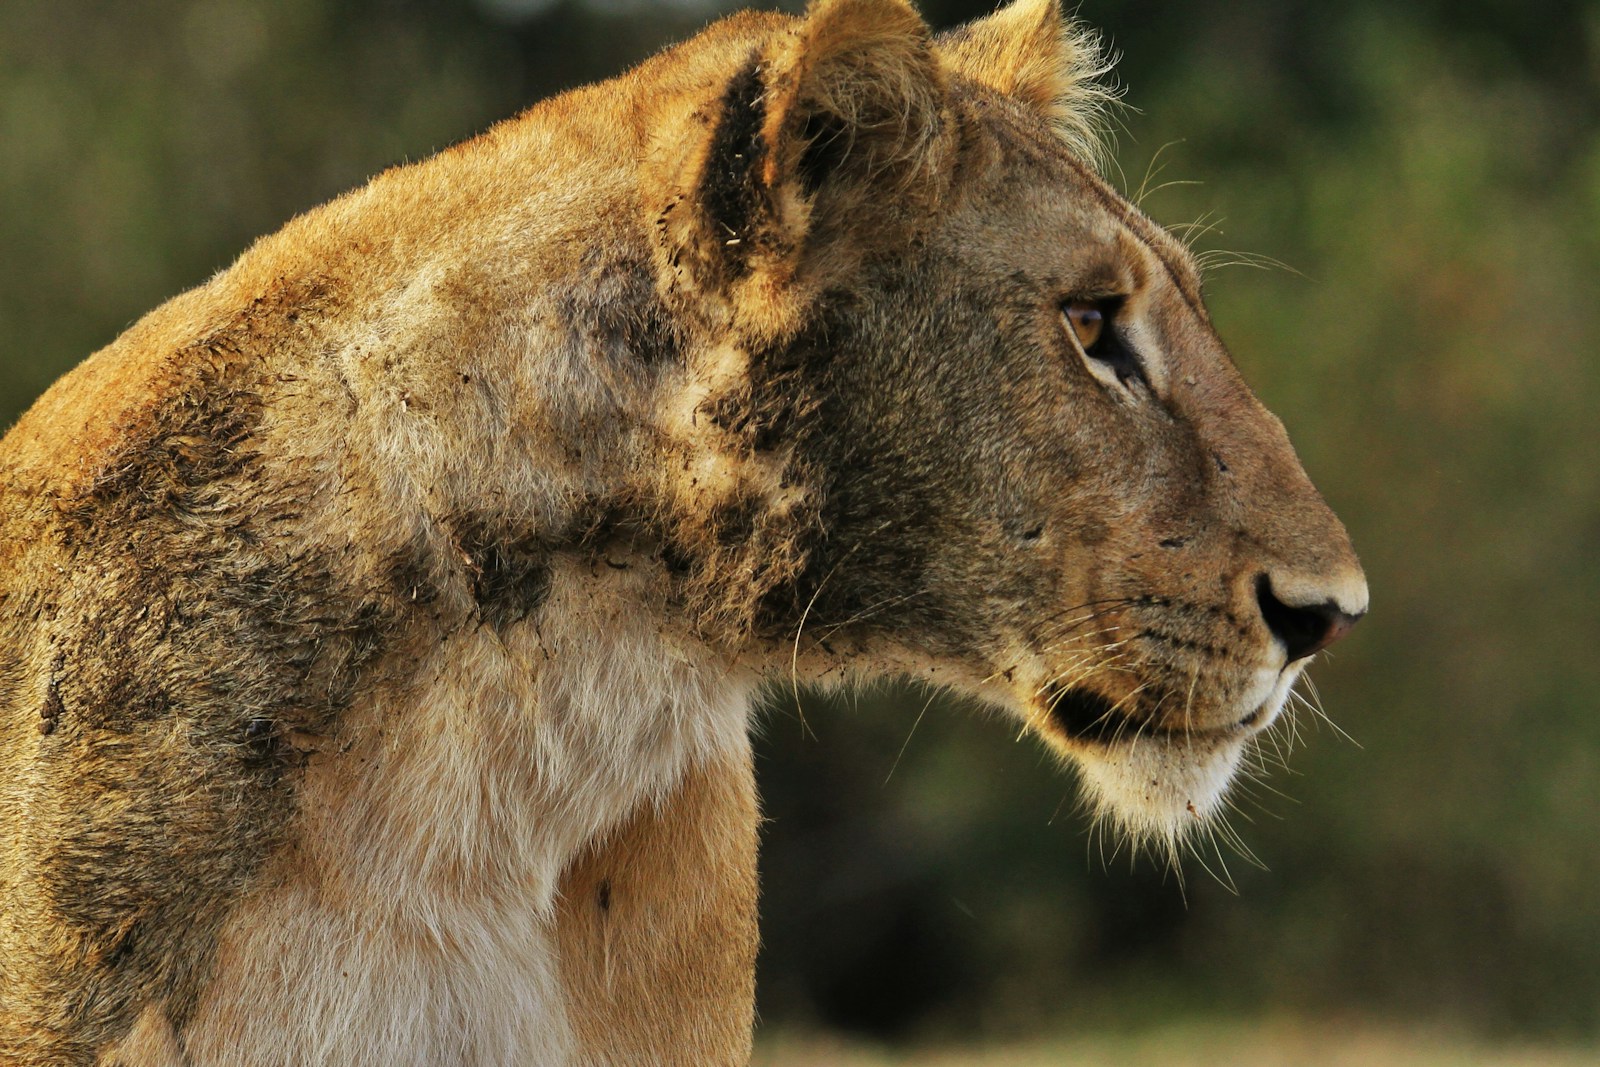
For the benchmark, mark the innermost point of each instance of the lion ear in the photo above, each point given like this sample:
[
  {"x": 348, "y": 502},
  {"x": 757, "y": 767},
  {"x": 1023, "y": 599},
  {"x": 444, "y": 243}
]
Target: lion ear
[
  {"x": 857, "y": 101},
  {"x": 833, "y": 138},
  {"x": 1029, "y": 52}
]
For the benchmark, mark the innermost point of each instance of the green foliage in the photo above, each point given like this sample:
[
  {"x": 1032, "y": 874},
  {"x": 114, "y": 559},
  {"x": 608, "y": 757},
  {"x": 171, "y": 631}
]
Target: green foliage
[{"x": 1431, "y": 174}]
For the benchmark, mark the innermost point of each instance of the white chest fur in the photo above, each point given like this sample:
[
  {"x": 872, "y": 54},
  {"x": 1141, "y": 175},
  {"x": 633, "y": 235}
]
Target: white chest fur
[{"x": 411, "y": 921}]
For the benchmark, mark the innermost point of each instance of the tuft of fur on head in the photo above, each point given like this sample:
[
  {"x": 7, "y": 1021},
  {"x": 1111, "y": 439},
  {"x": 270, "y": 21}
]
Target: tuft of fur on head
[{"x": 1031, "y": 52}]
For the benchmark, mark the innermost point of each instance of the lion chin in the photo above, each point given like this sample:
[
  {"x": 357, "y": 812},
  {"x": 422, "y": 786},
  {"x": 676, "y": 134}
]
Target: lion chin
[{"x": 1160, "y": 788}]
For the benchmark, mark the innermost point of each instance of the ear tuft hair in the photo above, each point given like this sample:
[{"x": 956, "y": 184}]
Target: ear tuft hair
[
  {"x": 832, "y": 142},
  {"x": 1031, "y": 53},
  {"x": 858, "y": 94}
]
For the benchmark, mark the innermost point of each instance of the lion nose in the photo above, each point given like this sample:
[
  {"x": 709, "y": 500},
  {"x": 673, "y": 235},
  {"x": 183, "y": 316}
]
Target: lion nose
[{"x": 1304, "y": 629}]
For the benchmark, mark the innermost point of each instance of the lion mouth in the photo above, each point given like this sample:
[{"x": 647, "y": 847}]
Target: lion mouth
[
  {"x": 1089, "y": 717},
  {"x": 1085, "y": 716},
  {"x": 1155, "y": 779}
]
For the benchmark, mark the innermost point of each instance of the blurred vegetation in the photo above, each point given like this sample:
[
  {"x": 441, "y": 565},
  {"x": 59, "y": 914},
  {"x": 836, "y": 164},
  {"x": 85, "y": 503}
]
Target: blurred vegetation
[
  {"x": 1259, "y": 1043},
  {"x": 1429, "y": 172}
]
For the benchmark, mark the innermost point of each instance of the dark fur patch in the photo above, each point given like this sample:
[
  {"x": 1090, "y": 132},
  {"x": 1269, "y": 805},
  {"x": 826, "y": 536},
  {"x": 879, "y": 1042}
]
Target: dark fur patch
[
  {"x": 413, "y": 575},
  {"x": 888, "y": 439},
  {"x": 732, "y": 200},
  {"x": 180, "y": 620},
  {"x": 509, "y": 572},
  {"x": 853, "y": 562},
  {"x": 194, "y": 445},
  {"x": 617, "y": 314}
]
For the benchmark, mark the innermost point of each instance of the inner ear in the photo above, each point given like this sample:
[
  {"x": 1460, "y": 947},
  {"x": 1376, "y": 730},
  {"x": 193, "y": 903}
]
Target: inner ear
[
  {"x": 858, "y": 134},
  {"x": 858, "y": 98},
  {"x": 825, "y": 148},
  {"x": 833, "y": 141}
]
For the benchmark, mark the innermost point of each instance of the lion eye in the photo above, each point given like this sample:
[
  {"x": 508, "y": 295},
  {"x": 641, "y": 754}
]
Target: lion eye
[
  {"x": 1088, "y": 321},
  {"x": 1101, "y": 344}
]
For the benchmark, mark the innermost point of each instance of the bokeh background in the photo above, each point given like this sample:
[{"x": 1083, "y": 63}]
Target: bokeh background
[{"x": 1401, "y": 206}]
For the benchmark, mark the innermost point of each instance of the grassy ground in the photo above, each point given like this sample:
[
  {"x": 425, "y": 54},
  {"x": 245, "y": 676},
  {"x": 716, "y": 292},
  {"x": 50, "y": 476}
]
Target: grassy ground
[{"x": 1274, "y": 1044}]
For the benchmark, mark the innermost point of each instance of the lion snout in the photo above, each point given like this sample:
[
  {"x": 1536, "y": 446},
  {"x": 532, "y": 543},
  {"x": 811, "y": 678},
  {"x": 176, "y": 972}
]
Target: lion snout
[{"x": 1303, "y": 629}]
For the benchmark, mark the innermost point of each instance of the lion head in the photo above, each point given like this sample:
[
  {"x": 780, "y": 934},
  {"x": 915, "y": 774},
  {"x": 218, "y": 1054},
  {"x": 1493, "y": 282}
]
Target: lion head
[{"x": 1000, "y": 439}]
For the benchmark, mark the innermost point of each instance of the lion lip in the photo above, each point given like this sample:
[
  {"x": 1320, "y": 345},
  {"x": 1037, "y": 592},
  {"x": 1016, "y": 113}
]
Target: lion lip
[
  {"x": 1250, "y": 720},
  {"x": 1089, "y": 717}
]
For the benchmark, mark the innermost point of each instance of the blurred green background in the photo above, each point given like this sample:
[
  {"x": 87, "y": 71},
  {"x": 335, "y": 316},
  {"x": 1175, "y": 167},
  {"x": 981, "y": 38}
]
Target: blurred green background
[{"x": 1429, "y": 173}]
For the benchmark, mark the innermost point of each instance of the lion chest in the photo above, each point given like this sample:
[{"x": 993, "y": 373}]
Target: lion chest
[{"x": 412, "y": 918}]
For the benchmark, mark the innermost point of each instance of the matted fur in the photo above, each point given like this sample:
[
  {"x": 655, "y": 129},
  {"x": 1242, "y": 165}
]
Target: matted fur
[{"x": 379, "y": 622}]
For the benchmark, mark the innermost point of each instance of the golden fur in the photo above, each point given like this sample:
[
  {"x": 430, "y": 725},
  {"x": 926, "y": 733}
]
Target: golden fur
[{"x": 379, "y": 621}]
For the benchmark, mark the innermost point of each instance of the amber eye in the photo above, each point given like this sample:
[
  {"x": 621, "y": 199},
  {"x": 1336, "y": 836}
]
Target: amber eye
[
  {"x": 1088, "y": 321},
  {"x": 1100, "y": 341}
]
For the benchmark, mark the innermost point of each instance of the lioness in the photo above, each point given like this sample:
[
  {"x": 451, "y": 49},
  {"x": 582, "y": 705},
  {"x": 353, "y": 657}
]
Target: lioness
[{"x": 379, "y": 622}]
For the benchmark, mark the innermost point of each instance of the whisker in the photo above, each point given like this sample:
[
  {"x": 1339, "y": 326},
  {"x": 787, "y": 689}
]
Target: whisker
[
  {"x": 907, "y": 742},
  {"x": 1315, "y": 704},
  {"x": 871, "y": 611},
  {"x": 794, "y": 656},
  {"x": 1152, "y": 170}
]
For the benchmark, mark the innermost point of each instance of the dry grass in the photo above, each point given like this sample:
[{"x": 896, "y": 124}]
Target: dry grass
[{"x": 1267, "y": 1044}]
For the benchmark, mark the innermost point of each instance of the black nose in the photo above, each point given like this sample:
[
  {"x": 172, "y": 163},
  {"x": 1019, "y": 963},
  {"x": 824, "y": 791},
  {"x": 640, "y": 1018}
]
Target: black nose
[{"x": 1304, "y": 630}]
